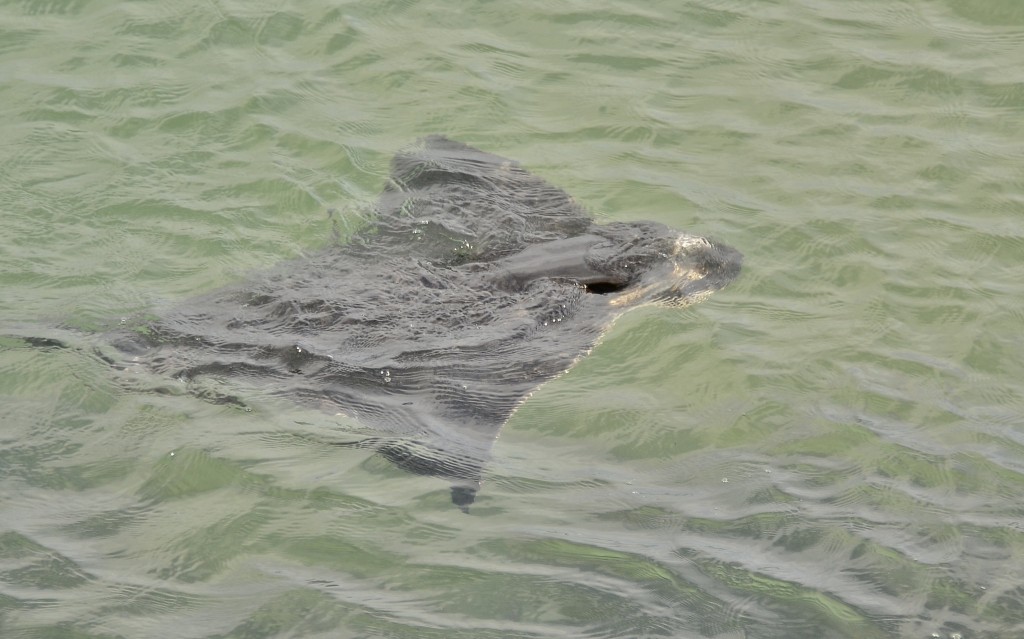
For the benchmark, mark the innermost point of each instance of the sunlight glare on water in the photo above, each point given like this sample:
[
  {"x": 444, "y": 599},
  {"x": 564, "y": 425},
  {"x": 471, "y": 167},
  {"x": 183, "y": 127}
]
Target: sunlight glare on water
[{"x": 832, "y": 446}]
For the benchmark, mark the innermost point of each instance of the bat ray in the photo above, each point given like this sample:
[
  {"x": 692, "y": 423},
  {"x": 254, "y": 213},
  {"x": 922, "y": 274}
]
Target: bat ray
[{"x": 475, "y": 282}]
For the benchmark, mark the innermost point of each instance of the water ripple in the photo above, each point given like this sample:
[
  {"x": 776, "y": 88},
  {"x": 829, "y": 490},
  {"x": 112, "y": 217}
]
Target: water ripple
[{"x": 833, "y": 449}]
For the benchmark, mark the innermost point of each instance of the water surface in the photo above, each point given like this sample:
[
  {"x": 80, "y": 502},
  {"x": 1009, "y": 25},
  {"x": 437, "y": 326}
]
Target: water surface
[{"x": 831, "y": 447}]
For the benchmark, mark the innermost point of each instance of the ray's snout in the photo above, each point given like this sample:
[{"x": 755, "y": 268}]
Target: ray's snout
[
  {"x": 691, "y": 269},
  {"x": 701, "y": 268},
  {"x": 718, "y": 264}
]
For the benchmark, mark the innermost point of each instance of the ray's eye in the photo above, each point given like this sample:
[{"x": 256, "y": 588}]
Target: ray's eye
[{"x": 603, "y": 288}]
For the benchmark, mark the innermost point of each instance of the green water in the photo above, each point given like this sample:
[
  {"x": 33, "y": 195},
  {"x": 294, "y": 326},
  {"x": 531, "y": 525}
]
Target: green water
[{"x": 831, "y": 447}]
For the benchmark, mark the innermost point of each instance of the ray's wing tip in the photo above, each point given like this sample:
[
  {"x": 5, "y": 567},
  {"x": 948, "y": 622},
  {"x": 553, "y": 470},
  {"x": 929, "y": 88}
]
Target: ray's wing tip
[
  {"x": 463, "y": 497},
  {"x": 439, "y": 147}
]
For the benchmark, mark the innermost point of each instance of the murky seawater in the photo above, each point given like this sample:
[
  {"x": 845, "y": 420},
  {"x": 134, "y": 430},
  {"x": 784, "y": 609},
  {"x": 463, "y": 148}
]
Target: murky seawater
[{"x": 831, "y": 447}]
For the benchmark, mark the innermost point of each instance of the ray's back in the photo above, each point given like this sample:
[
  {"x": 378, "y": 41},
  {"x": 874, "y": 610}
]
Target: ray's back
[{"x": 476, "y": 282}]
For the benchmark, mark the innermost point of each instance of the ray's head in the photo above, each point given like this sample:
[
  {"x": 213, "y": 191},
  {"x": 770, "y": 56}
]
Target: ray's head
[{"x": 654, "y": 264}]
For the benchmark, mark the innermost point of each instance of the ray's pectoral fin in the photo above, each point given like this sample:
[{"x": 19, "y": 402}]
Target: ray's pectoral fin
[{"x": 438, "y": 159}]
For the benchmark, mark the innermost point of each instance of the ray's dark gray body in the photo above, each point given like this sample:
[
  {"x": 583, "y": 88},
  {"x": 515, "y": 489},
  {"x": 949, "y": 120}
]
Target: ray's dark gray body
[{"x": 475, "y": 283}]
